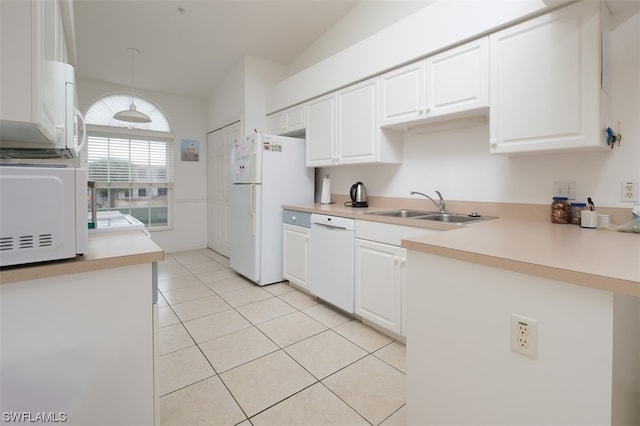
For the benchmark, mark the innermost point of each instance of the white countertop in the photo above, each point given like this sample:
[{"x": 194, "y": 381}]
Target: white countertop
[{"x": 106, "y": 250}]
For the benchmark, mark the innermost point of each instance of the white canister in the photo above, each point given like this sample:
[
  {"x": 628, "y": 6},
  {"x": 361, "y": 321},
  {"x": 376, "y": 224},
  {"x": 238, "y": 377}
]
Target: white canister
[
  {"x": 603, "y": 219},
  {"x": 589, "y": 219}
]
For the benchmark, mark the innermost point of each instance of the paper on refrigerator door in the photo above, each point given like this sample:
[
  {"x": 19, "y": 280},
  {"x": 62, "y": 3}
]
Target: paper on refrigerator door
[{"x": 242, "y": 155}]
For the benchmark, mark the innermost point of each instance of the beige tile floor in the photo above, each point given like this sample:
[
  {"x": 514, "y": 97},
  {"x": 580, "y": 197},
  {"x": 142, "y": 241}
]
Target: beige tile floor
[{"x": 232, "y": 352}]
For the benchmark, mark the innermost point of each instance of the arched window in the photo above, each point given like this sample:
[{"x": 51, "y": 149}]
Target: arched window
[
  {"x": 101, "y": 113},
  {"x": 130, "y": 163}
]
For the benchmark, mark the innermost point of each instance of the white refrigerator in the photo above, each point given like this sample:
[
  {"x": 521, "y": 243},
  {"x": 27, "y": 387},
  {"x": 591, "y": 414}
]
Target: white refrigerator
[{"x": 267, "y": 172}]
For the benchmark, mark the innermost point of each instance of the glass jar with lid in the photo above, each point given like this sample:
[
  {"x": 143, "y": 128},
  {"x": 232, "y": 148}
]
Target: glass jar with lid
[
  {"x": 576, "y": 212},
  {"x": 560, "y": 210}
]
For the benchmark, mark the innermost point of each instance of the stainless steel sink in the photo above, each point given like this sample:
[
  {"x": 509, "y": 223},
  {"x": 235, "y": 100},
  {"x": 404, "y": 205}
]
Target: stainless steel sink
[
  {"x": 433, "y": 216},
  {"x": 403, "y": 213},
  {"x": 450, "y": 218}
]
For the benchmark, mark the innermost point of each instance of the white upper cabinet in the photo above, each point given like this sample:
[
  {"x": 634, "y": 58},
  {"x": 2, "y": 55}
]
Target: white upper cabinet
[
  {"x": 32, "y": 41},
  {"x": 458, "y": 80},
  {"x": 321, "y": 131},
  {"x": 288, "y": 122},
  {"x": 344, "y": 128},
  {"x": 448, "y": 85},
  {"x": 546, "y": 83},
  {"x": 403, "y": 96}
]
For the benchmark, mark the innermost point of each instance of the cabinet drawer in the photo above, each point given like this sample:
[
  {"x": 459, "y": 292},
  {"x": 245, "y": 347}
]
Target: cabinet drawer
[
  {"x": 388, "y": 233},
  {"x": 293, "y": 217}
]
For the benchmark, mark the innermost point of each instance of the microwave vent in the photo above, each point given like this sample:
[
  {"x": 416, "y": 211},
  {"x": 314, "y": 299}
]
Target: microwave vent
[{"x": 26, "y": 242}]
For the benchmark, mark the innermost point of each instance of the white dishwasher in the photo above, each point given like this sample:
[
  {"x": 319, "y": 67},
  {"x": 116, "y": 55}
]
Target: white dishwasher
[{"x": 331, "y": 253}]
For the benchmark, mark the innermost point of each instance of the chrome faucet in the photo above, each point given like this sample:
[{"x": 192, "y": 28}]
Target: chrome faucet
[{"x": 440, "y": 204}]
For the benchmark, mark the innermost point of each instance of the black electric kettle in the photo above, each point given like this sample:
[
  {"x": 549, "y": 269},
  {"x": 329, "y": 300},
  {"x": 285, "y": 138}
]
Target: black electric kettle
[{"x": 358, "y": 194}]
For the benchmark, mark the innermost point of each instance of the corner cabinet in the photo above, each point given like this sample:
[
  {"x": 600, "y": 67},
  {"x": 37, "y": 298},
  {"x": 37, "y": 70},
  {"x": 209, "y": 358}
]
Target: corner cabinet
[
  {"x": 344, "y": 128},
  {"x": 547, "y": 95},
  {"x": 449, "y": 85}
]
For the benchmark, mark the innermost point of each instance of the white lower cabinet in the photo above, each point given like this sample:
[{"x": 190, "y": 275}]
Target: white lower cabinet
[
  {"x": 380, "y": 280},
  {"x": 380, "y": 272},
  {"x": 295, "y": 259}
]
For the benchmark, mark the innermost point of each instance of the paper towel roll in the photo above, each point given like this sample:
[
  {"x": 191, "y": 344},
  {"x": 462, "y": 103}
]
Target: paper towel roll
[{"x": 325, "y": 198}]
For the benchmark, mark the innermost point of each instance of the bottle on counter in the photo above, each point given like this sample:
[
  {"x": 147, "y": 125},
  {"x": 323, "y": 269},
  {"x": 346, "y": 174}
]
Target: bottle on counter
[
  {"x": 560, "y": 210},
  {"x": 576, "y": 212}
]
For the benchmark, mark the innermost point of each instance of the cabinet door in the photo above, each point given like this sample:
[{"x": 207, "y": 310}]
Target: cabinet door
[
  {"x": 545, "y": 82},
  {"x": 321, "y": 131},
  {"x": 276, "y": 123},
  {"x": 295, "y": 119},
  {"x": 379, "y": 272},
  {"x": 458, "y": 79},
  {"x": 358, "y": 130},
  {"x": 288, "y": 122},
  {"x": 403, "y": 95},
  {"x": 295, "y": 254}
]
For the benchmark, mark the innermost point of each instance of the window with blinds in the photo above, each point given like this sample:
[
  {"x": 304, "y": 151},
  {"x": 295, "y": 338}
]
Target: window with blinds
[{"x": 133, "y": 175}]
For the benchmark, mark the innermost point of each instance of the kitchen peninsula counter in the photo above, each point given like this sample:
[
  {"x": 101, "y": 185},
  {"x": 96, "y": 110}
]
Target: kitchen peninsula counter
[
  {"x": 105, "y": 250},
  {"x": 81, "y": 334},
  {"x": 607, "y": 260}
]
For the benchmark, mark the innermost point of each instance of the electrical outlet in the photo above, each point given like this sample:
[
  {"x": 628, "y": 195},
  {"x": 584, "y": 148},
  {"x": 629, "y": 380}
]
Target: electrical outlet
[
  {"x": 562, "y": 188},
  {"x": 524, "y": 335},
  {"x": 629, "y": 192}
]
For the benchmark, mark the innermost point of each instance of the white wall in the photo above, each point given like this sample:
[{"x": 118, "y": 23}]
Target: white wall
[
  {"x": 241, "y": 94},
  {"x": 458, "y": 163},
  {"x": 188, "y": 120},
  {"x": 366, "y": 18}
]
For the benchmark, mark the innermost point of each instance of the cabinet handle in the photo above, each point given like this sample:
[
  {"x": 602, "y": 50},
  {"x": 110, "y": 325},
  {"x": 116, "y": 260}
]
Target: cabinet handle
[
  {"x": 403, "y": 261},
  {"x": 395, "y": 260},
  {"x": 493, "y": 141},
  {"x": 427, "y": 110},
  {"x": 293, "y": 218}
]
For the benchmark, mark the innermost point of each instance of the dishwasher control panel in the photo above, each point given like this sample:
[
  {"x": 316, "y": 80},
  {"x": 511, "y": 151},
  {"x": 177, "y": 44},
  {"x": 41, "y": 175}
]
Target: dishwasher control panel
[{"x": 333, "y": 221}]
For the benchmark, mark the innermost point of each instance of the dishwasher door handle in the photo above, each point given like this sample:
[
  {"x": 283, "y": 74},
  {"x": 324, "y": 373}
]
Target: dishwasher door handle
[{"x": 329, "y": 226}]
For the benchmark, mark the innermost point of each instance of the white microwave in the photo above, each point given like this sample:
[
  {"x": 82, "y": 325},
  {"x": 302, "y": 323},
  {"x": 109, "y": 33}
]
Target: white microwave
[
  {"x": 43, "y": 213},
  {"x": 56, "y": 129}
]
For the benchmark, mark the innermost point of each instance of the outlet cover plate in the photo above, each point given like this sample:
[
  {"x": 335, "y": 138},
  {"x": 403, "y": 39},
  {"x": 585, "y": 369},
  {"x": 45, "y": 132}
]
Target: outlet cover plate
[
  {"x": 629, "y": 192},
  {"x": 524, "y": 335},
  {"x": 564, "y": 188}
]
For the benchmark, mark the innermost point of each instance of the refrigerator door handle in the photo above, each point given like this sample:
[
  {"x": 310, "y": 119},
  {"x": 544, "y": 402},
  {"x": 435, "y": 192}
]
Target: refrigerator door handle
[
  {"x": 251, "y": 210},
  {"x": 252, "y": 166}
]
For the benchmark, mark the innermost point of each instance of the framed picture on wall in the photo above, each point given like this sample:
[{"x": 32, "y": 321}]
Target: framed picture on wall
[{"x": 189, "y": 150}]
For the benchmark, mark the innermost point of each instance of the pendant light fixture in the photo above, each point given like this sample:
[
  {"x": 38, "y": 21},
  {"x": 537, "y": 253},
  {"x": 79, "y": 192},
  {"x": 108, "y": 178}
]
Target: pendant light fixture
[{"x": 132, "y": 115}]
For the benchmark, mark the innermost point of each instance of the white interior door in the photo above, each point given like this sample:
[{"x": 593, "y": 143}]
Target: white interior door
[{"x": 219, "y": 145}]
